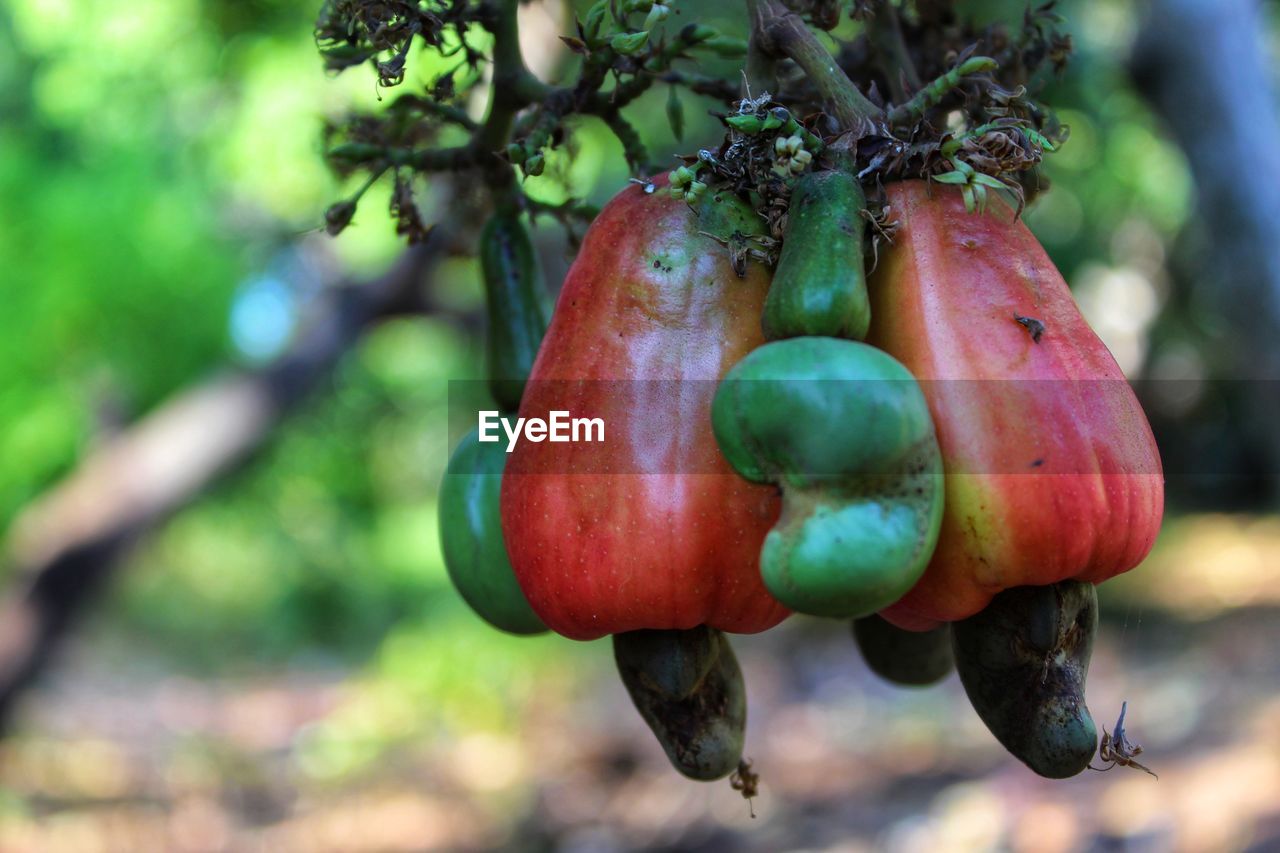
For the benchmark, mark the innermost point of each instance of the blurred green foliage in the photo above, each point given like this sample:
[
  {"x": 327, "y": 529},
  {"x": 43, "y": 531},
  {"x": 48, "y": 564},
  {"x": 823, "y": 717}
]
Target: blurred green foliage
[{"x": 157, "y": 155}]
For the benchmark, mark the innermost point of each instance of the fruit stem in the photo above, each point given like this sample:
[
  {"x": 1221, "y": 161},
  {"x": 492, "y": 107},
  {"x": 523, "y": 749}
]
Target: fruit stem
[{"x": 780, "y": 32}]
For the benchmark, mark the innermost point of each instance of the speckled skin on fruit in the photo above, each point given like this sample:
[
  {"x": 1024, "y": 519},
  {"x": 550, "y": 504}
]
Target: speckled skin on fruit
[
  {"x": 1023, "y": 662},
  {"x": 1054, "y": 475},
  {"x": 677, "y": 545},
  {"x": 688, "y": 687}
]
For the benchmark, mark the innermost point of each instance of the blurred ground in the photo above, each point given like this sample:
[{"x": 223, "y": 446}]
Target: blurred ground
[{"x": 322, "y": 758}]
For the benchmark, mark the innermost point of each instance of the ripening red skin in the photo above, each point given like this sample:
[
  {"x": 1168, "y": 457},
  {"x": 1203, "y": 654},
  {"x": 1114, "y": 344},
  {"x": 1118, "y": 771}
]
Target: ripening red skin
[
  {"x": 677, "y": 546},
  {"x": 1047, "y": 480}
]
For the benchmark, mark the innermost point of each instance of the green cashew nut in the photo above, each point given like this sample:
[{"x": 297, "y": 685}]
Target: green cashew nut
[
  {"x": 471, "y": 537},
  {"x": 517, "y": 305},
  {"x": 844, "y": 430},
  {"x": 1023, "y": 662},
  {"x": 689, "y": 689},
  {"x": 909, "y": 658},
  {"x": 819, "y": 287}
]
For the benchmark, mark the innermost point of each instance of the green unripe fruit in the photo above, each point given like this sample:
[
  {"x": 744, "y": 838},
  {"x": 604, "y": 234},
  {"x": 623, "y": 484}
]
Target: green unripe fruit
[
  {"x": 844, "y": 430},
  {"x": 820, "y": 287},
  {"x": 516, "y": 303},
  {"x": 471, "y": 537}
]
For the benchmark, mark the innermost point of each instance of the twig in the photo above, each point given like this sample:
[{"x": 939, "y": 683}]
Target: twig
[
  {"x": 780, "y": 32},
  {"x": 929, "y": 97}
]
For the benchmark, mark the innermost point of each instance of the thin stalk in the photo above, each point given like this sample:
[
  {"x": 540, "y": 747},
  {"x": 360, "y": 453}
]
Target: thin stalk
[
  {"x": 512, "y": 81},
  {"x": 929, "y": 97}
]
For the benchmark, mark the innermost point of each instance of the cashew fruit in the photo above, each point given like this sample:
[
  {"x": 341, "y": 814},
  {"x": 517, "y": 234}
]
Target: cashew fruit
[
  {"x": 1052, "y": 470},
  {"x": 471, "y": 537},
  {"x": 843, "y": 429},
  {"x": 650, "y": 529}
]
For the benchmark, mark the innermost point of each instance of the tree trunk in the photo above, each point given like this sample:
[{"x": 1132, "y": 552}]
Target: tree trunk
[{"x": 1205, "y": 69}]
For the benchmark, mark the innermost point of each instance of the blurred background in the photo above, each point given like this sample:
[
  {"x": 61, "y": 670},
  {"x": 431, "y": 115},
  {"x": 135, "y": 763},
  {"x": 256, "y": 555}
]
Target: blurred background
[{"x": 224, "y": 622}]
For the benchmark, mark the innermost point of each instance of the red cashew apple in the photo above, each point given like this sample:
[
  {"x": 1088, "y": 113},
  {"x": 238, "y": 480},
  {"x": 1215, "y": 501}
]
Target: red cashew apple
[
  {"x": 1052, "y": 472},
  {"x": 650, "y": 529}
]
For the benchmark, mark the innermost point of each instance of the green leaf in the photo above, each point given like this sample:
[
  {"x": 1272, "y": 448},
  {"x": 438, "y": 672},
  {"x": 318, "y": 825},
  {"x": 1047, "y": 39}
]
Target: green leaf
[
  {"x": 1039, "y": 139},
  {"x": 591, "y": 29},
  {"x": 628, "y": 43},
  {"x": 980, "y": 197},
  {"x": 952, "y": 178},
  {"x": 657, "y": 14},
  {"x": 988, "y": 181}
]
